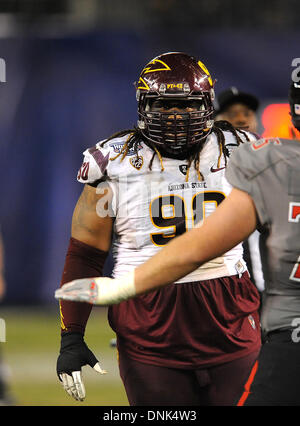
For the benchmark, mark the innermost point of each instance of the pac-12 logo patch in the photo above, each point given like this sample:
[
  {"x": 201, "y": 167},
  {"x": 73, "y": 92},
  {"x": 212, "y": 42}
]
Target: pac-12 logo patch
[{"x": 137, "y": 162}]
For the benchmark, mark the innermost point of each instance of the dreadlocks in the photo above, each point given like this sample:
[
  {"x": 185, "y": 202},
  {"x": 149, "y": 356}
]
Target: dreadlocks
[{"x": 135, "y": 136}]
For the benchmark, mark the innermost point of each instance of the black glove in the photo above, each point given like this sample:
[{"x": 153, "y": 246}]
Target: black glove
[{"x": 74, "y": 354}]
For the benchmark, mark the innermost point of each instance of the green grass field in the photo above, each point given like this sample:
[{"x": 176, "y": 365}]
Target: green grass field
[{"x": 31, "y": 350}]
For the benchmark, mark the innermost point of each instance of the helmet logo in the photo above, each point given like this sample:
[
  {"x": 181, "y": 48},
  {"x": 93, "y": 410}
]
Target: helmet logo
[
  {"x": 156, "y": 65},
  {"x": 203, "y": 67},
  {"x": 153, "y": 66},
  {"x": 142, "y": 85}
]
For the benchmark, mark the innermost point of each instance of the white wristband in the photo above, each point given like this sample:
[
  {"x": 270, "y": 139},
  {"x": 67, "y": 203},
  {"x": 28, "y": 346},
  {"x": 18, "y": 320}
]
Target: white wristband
[{"x": 111, "y": 291}]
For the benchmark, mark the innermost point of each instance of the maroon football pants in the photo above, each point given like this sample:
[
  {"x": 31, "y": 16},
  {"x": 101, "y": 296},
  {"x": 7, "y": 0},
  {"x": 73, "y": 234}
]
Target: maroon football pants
[{"x": 214, "y": 386}]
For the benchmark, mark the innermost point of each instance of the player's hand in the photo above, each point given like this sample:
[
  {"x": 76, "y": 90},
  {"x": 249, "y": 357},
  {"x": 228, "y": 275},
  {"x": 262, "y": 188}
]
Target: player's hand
[
  {"x": 81, "y": 290},
  {"x": 74, "y": 354},
  {"x": 98, "y": 290}
]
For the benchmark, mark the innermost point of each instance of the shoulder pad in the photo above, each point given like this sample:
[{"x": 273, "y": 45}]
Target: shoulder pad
[{"x": 94, "y": 164}]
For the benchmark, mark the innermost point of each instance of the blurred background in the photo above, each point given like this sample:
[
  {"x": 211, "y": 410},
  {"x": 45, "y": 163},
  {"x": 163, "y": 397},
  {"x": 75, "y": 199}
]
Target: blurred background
[{"x": 67, "y": 82}]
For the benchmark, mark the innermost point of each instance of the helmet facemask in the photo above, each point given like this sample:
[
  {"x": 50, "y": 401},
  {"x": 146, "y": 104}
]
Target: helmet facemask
[{"x": 179, "y": 124}]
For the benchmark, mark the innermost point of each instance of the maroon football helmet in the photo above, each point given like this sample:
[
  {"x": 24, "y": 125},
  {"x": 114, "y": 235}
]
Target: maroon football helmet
[{"x": 178, "y": 82}]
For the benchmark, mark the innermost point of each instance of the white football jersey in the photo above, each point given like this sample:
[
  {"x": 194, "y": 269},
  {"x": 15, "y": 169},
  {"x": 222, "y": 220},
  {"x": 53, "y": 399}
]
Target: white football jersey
[{"x": 151, "y": 207}]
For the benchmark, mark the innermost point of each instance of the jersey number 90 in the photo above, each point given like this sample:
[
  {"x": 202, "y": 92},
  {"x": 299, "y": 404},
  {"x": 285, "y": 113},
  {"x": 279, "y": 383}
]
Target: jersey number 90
[{"x": 171, "y": 214}]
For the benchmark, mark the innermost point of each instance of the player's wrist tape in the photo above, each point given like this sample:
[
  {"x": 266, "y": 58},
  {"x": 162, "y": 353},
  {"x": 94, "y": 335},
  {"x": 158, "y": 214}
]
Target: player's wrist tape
[
  {"x": 111, "y": 291},
  {"x": 98, "y": 290},
  {"x": 70, "y": 339}
]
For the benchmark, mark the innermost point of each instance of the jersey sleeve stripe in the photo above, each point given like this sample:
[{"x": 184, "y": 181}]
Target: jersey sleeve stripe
[{"x": 100, "y": 159}]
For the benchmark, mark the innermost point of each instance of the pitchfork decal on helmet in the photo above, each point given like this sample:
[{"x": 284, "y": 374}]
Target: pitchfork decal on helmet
[{"x": 156, "y": 65}]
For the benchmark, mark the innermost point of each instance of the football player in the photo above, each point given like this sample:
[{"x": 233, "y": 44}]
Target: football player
[
  {"x": 240, "y": 109},
  {"x": 195, "y": 341},
  {"x": 265, "y": 176}
]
